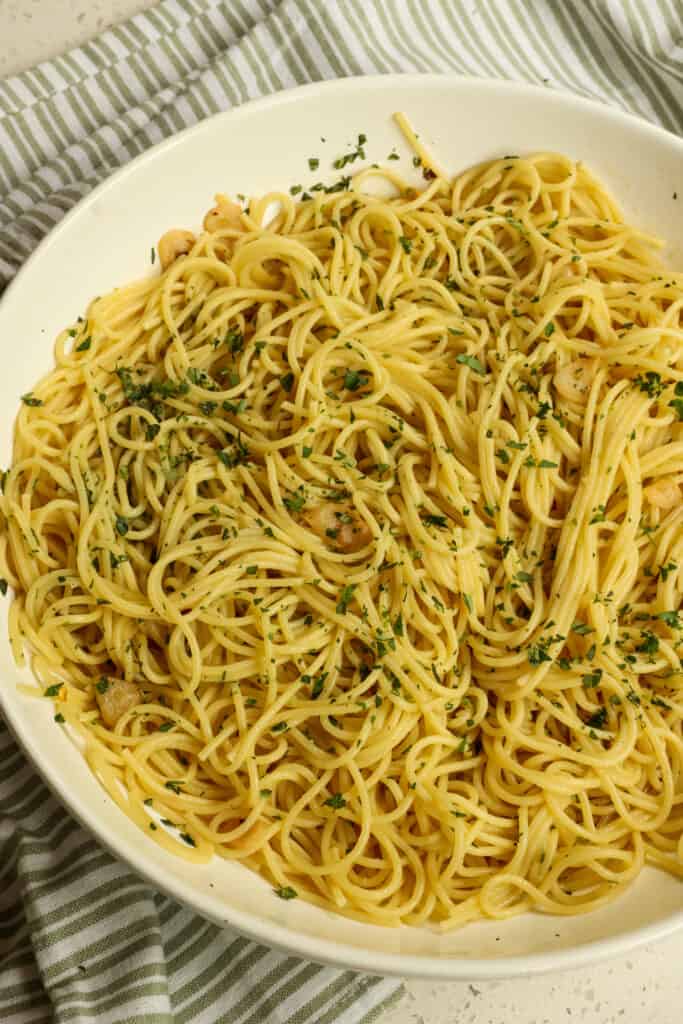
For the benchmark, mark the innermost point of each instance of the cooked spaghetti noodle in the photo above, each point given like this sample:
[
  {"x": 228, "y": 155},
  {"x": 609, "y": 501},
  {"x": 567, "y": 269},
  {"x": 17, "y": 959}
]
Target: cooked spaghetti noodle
[{"x": 351, "y": 544}]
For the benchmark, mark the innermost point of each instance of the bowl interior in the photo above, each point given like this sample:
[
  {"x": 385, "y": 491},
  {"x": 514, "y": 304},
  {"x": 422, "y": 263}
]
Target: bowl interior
[{"x": 106, "y": 241}]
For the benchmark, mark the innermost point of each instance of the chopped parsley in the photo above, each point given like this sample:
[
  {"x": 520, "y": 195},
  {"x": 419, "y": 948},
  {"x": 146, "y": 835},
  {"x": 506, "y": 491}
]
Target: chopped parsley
[
  {"x": 294, "y": 502},
  {"x": 505, "y": 544},
  {"x": 121, "y": 525},
  {"x": 650, "y": 383},
  {"x": 649, "y": 644},
  {"x": 670, "y": 618},
  {"x": 285, "y": 892},
  {"x": 598, "y": 719},
  {"x": 472, "y": 362},
  {"x": 677, "y": 402},
  {"x": 441, "y": 522},
  {"x": 356, "y": 154},
  {"x": 538, "y": 653},
  {"x": 318, "y": 684},
  {"x": 354, "y": 379},
  {"x": 345, "y": 597},
  {"x": 336, "y": 801},
  {"x": 236, "y": 456}
]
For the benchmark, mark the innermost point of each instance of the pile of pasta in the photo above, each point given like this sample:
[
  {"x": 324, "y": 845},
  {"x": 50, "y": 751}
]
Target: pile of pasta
[{"x": 350, "y": 543}]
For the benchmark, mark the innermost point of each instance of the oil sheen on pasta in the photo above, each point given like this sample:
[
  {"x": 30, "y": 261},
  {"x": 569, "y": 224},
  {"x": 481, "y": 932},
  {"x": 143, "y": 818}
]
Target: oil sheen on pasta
[{"x": 351, "y": 544}]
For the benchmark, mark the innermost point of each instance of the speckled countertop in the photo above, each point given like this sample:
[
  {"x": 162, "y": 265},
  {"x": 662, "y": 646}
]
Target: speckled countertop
[{"x": 643, "y": 988}]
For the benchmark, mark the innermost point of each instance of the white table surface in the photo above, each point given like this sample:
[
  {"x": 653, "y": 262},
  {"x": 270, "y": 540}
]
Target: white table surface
[{"x": 643, "y": 988}]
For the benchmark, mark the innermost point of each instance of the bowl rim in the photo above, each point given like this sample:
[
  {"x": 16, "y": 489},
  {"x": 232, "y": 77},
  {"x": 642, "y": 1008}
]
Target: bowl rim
[{"x": 265, "y": 931}]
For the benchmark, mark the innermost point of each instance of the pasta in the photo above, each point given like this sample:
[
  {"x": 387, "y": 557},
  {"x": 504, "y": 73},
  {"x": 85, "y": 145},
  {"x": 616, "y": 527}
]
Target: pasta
[{"x": 350, "y": 544}]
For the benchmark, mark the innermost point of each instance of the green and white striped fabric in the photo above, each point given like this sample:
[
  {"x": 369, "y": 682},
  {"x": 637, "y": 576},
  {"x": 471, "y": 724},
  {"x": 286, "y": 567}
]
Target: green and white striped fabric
[{"x": 81, "y": 938}]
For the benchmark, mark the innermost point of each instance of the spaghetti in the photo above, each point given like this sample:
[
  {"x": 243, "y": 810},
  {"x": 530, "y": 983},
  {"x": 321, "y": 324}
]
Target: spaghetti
[{"x": 351, "y": 544}]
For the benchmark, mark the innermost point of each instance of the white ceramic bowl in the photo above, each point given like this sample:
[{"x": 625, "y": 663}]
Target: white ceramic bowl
[{"x": 106, "y": 241}]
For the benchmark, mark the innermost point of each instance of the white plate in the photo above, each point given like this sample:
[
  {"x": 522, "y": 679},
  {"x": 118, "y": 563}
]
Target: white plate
[{"x": 106, "y": 241}]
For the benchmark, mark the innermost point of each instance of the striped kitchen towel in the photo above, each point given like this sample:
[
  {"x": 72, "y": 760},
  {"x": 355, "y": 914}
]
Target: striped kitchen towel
[{"x": 81, "y": 938}]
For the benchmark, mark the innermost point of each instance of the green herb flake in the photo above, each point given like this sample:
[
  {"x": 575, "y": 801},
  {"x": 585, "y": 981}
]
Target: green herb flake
[
  {"x": 285, "y": 892},
  {"x": 318, "y": 684},
  {"x": 467, "y": 360},
  {"x": 537, "y": 654},
  {"x": 294, "y": 502},
  {"x": 354, "y": 379},
  {"x": 441, "y": 522},
  {"x": 649, "y": 644},
  {"x": 670, "y": 618},
  {"x": 650, "y": 382},
  {"x": 121, "y": 525},
  {"x": 598, "y": 719},
  {"x": 336, "y": 801},
  {"x": 345, "y": 597}
]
